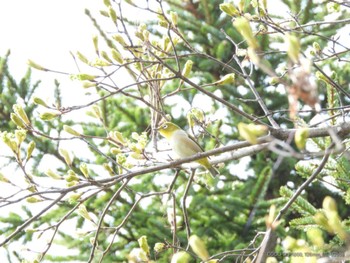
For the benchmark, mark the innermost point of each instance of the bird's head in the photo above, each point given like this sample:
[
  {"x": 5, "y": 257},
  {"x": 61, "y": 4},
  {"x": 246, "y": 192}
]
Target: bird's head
[{"x": 167, "y": 129}]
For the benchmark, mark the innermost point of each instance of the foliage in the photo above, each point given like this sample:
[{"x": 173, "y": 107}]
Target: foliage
[{"x": 272, "y": 88}]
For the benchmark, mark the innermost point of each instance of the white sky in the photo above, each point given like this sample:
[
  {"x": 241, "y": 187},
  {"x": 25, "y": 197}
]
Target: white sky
[{"x": 44, "y": 31}]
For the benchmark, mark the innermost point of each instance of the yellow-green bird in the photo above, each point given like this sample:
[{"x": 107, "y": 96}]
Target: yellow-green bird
[{"x": 183, "y": 145}]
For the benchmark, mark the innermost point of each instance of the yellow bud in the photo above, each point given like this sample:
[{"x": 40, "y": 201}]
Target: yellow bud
[
  {"x": 108, "y": 169},
  {"x": 30, "y": 150},
  {"x": 316, "y": 47},
  {"x": 33, "y": 199},
  {"x": 274, "y": 81},
  {"x": 119, "y": 39},
  {"x": 83, "y": 76},
  {"x": 20, "y": 136},
  {"x": 315, "y": 236},
  {"x": 329, "y": 204},
  {"x": 289, "y": 243},
  {"x": 64, "y": 153},
  {"x": 97, "y": 111},
  {"x": 227, "y": 79},
  {"x": 96, "y": 63},
  {"x": 74, "y": 198},
  {"x": 229, "y": 9},
  {"x": 251, "y": 132},
  {"x": 84, "y": 169},
  {"x": 117, "y": 136},
  {"x": 187, "y": 68},
  {"x": 198, "y": 247},
  {"x": 3, "y": 178},
  {"x": 144, "y": 244},
  {"x": 243, "y": 26},
  {"x": 17, "y": 120},
  {"x": 117, "y": 56},
  {"x": 293, "y": 48},
  {"x": 180, "y": 257},
  {"x": 300, "y": 137},
  {"x": 107, "y": 3},
  {"x": 48, "y": 116},
  {"x": 174, "y": 17},
  {"x": 82, "y": 211},
  {"x": 32, "y": 64},
  {"x": 70, "y": 130},
  {"x": 39, "y": 101},
  {"x": 95, "y": 41},
  {"x": 89, "y": 84},
  {"x": 52, "y": 174},
  {"x": 71, "y": 176},
  {"x": 112, "y": 14},
  {"x": 21, "y": 113},
  {"x": 159, "y": 247},
  {"x": 115, "y": 151},
  {"x": 82, "y": 58}
]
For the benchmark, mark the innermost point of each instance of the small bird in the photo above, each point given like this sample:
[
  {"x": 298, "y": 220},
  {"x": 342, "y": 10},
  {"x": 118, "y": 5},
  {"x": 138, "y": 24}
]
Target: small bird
[{"x": 183, "y": 145}]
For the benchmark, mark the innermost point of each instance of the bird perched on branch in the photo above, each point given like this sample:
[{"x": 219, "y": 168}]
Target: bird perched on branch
[{"x": 183, "y": 145}]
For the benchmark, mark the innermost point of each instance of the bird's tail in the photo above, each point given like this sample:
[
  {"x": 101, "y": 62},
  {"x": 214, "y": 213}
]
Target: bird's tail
[{"x": 214, "y": 172}]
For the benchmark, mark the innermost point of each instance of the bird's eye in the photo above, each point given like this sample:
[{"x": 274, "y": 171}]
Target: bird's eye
[{"x": 165, "y": 126}]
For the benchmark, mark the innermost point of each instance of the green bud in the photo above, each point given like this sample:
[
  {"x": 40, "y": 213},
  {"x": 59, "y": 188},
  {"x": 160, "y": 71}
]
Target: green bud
[
  {"x": 32, "y": 64},
  {"x": 82, "y": 211},
  {"x": 229, "y": 9},
  {"x": 52, "y": 174},
  {"x": 71, "y": 176},
  {"x": 315, "y": 236},
  {"x": 227, "y": 79},
  {"x": 70, "y": 130},
  {"x": 289, "y": 243},
  {"x": 84, "y": 169},
  {"x": 74, "y": 198},
  {"x": 89, "y": 84},
  {"x": 174, "y": 18},
  {"x": 33, "y": 199},
  {"x": 333, "y": 7},
  {"x": 321, "y": 220},
  {"x": 251, "y": 132},
  {"x": 243, "y": 26},
  {"x": 9, "y": 140},
  {"x": 180, "y": 257},
  {"x": 97, "y": 111},
  {"x": 39, "y": 101},
  {"x": 82, "y": 58},
  {"x": 198, "y": 247},
  {"x": 316, "y": 47},
  {"x": 108, "y": 169},
  {"x": 106, "y": 57},
  {"x": 30, "y": 150},
  {"x": 187, "y": 68},
  {"x": 117, "y": 56},
  {"x": 329, "y": 204},
  {"x": 119, "y": 39},
  {"x": 115, "y": 151},
  {"x": 112, "y": 14},
  {"x": 159, "y": 247},
  {"x": 48, "y": 116},
  {"x": 144, "y": 244},
  {"x": 117, "y": 136},
  {"x": 17, "y": 120},
  {"x": 300, "y": 137},
  {"x": 107, "y": 3},
  {"x": 21, "y": 113},
  {"x": 293, "y": 47},
  {"x": 64, "y": 153},
  {"x": 82, "y": 76},
  {"x": 274, "y": 81},
  {"x": 95, "y": 42},
  {"x": 4, "y": 179}
]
